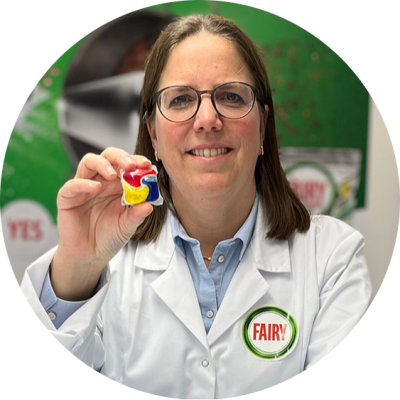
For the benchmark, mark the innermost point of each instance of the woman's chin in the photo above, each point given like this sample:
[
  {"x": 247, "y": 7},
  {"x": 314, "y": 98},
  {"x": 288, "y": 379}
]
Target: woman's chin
[
  {"x": 201, "y": 189},
  {"x": 212, "y": 191}
]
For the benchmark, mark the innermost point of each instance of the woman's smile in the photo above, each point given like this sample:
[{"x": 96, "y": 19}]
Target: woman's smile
[{"x": 209, "y": 152}]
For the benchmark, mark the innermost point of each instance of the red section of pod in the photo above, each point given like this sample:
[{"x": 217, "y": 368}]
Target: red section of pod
[{"x": 133, "y": 178}]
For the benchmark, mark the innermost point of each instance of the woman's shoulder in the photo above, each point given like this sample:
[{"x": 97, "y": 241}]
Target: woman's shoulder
[
  {"x": 330, "y": 232},
  {"x": 330, "y": 225}
]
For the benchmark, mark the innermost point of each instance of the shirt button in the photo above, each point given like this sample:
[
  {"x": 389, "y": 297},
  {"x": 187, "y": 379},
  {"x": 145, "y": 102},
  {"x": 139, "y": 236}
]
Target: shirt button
[
  {"x": 221, "y": 259},
  {"x": 210, "y": 313},
  {"x": 205, "y": 363},
  {"x": 52, "y": 315}
]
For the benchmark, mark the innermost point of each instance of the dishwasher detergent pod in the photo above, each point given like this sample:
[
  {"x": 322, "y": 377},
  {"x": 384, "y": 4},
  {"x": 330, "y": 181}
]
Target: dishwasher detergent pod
[{"x": 139, "y": 186}]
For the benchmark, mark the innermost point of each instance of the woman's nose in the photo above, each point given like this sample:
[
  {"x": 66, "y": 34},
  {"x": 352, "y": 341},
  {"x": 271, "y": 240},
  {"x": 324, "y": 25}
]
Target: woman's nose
[{"x": 207, "y": 118}]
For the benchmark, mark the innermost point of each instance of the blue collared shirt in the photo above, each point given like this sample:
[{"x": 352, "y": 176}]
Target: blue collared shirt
[{"x": 210, "y": 284}]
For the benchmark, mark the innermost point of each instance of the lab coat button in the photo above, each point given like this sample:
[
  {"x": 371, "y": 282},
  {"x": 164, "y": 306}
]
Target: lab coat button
[
  {"x": 52, "y": 315},
  {"x": 210, "y": 313},
  {"x": 221, "y": 259},
  {"x": 205, "y": 363}
]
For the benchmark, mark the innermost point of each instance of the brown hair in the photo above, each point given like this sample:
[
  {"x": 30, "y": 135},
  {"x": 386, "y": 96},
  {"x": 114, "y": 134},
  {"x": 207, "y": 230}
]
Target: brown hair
[{"x": 284, "y": 211}]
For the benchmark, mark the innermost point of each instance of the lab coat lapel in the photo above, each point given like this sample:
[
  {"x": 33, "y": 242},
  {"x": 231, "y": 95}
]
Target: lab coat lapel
[
  {"x": 175, "y": 288},
  {"x": 248, "y": 285}
]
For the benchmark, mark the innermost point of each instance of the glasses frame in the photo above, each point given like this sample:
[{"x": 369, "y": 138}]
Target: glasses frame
[{"x": 156, "y": 99}]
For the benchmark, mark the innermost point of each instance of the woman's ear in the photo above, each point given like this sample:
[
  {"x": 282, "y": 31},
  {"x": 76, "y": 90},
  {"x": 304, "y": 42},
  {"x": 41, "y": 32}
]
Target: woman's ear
[{"x": 152, "y": 132}]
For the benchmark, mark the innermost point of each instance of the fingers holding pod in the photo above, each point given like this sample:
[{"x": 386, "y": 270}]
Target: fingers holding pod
[
  {"x": 108, "y": 163},
  {"x": 92, "y": 165},
  {"x": 122, "y": 159}
]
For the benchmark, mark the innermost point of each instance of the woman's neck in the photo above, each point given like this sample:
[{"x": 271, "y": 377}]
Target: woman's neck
[{"x": 211, "y": 220}]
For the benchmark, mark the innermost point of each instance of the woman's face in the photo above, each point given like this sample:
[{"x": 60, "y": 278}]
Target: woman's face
[{"x": 203, "y": 62}]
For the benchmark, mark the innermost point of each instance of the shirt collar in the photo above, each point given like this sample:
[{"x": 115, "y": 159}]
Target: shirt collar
[{"x": 244, "y": 234}]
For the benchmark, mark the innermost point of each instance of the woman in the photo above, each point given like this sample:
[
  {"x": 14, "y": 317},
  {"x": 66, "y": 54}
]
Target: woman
[{"x": 228, "y": 288}]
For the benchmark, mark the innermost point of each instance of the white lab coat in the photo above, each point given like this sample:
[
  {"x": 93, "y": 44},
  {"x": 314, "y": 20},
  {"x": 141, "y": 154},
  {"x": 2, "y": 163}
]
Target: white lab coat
[{"x": 143, "y": 328}]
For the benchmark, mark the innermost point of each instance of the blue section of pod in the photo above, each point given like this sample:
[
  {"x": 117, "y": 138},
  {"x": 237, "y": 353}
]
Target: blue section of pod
[{"x": 151, "y": 182}]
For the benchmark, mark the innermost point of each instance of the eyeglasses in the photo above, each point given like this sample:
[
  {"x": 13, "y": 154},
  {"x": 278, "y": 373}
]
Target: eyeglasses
[{"x": 231, "y": 100}]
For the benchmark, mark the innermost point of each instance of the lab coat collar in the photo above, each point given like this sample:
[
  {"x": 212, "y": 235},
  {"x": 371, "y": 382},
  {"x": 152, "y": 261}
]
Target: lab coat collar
[
  {"x": 268, "y": 255},
  {"x": 156, "y": 256}
]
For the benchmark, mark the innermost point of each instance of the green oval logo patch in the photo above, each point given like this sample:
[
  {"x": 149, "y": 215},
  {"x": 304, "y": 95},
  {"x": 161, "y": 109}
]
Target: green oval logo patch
[{"x": 270, "y": 332}]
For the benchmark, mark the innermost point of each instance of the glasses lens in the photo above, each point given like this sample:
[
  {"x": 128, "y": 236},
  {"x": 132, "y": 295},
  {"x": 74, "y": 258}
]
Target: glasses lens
[
  {"x": 234, "y": 100},
  {"x": 178, "y": 103}
]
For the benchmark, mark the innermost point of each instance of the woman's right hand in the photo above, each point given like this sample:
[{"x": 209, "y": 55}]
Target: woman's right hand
[{"x": 93, "y": 225}]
